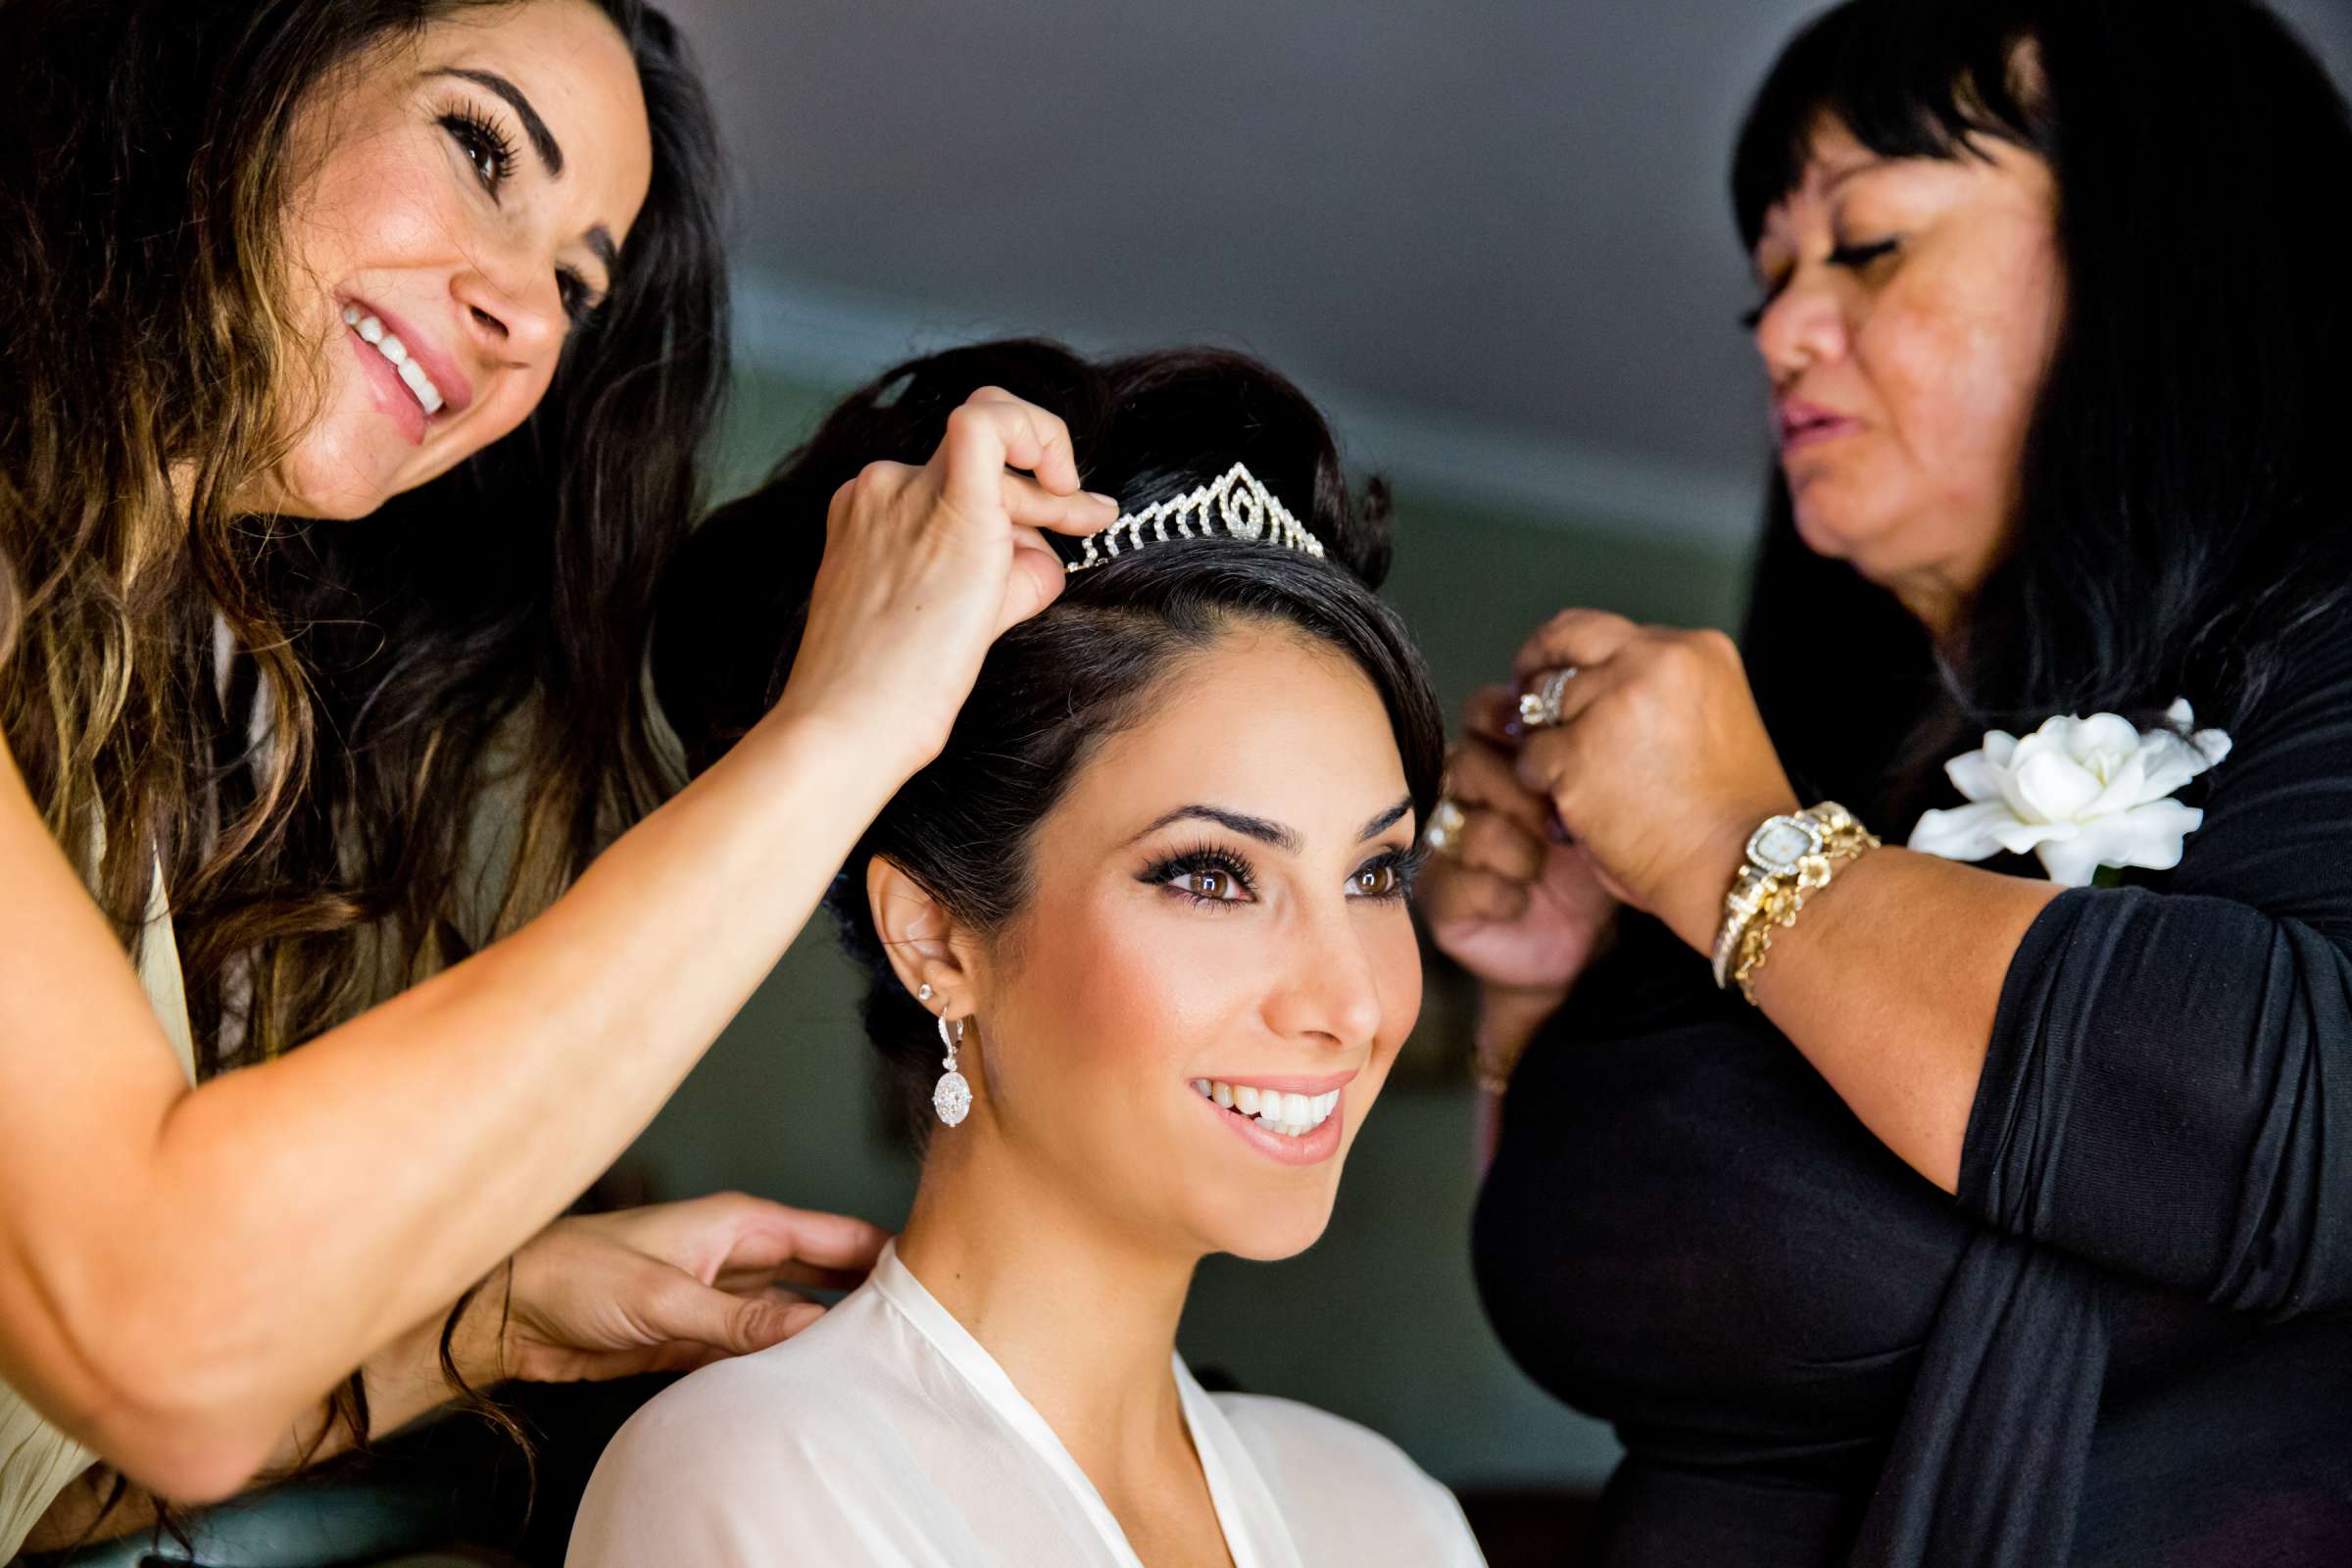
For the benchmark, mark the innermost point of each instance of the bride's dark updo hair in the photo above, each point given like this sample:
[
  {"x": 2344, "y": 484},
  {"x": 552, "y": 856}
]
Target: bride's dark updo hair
[{"x": 1145, "y": 427}]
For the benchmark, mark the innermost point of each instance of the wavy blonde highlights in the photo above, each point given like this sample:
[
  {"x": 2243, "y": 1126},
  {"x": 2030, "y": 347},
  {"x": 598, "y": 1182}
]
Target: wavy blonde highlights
[
  {"x": 301, "y": 720},
  {"x": 307, "y": 723}
]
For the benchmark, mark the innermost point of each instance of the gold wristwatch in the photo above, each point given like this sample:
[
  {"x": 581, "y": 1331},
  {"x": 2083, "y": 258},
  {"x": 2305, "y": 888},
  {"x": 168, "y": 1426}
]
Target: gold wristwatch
[{"x": 1788, "y": 858}]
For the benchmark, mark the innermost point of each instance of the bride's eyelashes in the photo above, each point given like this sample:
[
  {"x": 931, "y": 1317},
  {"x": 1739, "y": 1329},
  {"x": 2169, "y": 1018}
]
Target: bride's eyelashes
[
  {"x": 1205, "y": 875},
  {"x": 1210, "y": 874},
  {"x": 1390, "y": 876}
]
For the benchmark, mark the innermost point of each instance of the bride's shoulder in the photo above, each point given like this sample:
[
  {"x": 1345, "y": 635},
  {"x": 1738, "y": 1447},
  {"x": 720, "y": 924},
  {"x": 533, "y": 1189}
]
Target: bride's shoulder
[
  {"x": 843, "y": 1379},
  {"x": 775, "y": 1441},
  {"x": 1325, "y": 1466}
]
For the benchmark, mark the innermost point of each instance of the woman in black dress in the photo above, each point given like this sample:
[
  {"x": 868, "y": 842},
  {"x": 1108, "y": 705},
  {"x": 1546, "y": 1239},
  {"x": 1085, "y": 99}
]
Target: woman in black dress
[{"x": 2013, "y": 1224}]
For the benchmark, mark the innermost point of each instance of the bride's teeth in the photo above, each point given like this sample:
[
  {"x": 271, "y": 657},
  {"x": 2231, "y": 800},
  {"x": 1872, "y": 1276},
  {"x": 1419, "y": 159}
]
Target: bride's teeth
[
  {"x": 350, "y": 315},
  {"x": 1292, "y": 1115},
  {"x": 372, "y": 330},
  {"x": 393, "y": 349}
]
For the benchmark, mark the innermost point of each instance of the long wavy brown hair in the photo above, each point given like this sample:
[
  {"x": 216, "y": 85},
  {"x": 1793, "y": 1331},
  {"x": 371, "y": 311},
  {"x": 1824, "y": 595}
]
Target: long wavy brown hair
[
  {"x": 358, "y": 751},
  {"x": 302, "y": 720}
]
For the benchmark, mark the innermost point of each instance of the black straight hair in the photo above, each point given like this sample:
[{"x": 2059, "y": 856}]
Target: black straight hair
[
  {"x": 2183, "y": 512},
  {"x": 1052, "y": 689}
]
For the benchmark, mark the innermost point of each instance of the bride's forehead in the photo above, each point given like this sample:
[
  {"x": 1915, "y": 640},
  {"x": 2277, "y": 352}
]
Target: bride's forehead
[{"x": 1270, "y": 726}]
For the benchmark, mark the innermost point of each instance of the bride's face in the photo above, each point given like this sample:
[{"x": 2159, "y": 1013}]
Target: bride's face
[{"x": 1217, "y": 914}]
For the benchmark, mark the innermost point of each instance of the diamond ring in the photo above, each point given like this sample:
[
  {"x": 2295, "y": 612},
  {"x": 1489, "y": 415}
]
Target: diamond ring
[{"x": 1540, "y": 708}]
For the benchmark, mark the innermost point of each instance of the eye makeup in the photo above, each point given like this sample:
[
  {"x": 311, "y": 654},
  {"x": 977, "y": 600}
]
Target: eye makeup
[
  {"x": 1393, "y": 874},
  {"x": 486, "y": 144},
  {"x": 489, "y": 149},
  {"x": 1218, "y": 876}
]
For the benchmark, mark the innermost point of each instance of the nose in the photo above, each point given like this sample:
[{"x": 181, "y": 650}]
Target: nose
[
  {"x": 513, "y": 310},
  {"x": 1802, "y": 327},
  {"x": 1327, "y": 995}
]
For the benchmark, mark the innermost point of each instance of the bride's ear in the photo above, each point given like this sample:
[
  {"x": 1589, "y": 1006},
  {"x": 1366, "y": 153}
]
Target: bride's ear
[{"x": 925, "y": 945}]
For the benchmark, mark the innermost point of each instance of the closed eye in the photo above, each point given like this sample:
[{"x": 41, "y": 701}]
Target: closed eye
[
  {"x": 1848, "y": 258},
  {"x": 1855, "y": 258}
]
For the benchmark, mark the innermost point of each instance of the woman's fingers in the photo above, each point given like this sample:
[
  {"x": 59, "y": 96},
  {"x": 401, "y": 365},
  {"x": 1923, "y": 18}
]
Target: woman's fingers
[
  {"x": 1493, "y": 715},
  {"x": 769, "y": 1235},
  {"x": 683, "y": 1308},
  {"x": 1034, "y": 438},
  {"x": 1493, "y": 843},
  {"x": 1467, "y": 895},
  {"x": 988, "y": 435},
  {"x": 1479, "y": 776},
  {"x": 1037, "y": 578},
  {"x": 1573, "y": 639},
  {"x": 1030, "y": 505}
]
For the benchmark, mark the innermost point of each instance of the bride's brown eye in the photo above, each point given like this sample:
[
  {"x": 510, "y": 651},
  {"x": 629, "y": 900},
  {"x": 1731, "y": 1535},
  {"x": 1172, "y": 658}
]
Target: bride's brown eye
[
  {"x": 1376, "y": 880},
  {"x": 1216, "y": 885}
]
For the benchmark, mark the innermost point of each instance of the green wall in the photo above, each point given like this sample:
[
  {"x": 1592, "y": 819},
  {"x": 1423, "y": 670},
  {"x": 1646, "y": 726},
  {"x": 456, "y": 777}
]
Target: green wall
[{"x": 785, "y": 1103}]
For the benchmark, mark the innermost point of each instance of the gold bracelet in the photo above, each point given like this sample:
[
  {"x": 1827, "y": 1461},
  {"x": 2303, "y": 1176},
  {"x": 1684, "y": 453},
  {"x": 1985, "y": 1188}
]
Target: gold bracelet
[{"x": 1785, "y": 900}]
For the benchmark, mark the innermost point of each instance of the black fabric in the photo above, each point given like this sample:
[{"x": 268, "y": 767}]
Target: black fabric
[{"x": 2130, "y": 1339}]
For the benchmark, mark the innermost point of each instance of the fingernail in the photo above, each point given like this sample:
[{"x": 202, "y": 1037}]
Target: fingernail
[{"x": 1113, "y": 501}]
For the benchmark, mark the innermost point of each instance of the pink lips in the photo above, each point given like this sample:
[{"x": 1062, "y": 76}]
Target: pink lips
[
  {"x": 1805, "y": 424},
  {"x": 1308, "y": 1148},
  {"x": 389, "y": 392}
]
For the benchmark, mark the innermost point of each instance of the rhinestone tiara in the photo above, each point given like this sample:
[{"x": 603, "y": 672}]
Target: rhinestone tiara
[{"x": 1235, "y": 506}]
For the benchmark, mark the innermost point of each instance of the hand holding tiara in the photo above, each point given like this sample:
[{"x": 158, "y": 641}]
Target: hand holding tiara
[
  {"x": 1235, "y": 506},
  {"x": 925, "y": 567}
]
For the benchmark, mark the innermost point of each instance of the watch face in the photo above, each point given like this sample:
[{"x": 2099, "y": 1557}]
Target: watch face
[{"x": 1780, "y": 844}]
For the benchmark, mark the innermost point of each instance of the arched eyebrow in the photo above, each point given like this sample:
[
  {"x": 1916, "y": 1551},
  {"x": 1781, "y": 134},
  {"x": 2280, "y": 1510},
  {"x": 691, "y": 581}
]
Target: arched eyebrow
[
  {"x": 1273, "y": 834},
  {"x": 543, "y": 140},
  {"x": 1385, "y": 820}
]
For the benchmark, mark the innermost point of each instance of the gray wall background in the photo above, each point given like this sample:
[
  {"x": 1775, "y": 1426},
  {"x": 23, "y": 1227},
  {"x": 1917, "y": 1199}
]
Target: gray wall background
[{"x": 1492, "y": 237}]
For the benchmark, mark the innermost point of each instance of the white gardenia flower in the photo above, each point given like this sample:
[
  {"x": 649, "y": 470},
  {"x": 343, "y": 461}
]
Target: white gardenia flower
[{"x": 2080, "y": 793}]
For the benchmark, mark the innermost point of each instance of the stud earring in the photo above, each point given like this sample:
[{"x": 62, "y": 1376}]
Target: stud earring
[
  {"x": 923, "y": 993},
  {"x": 952, "y": 1096}
]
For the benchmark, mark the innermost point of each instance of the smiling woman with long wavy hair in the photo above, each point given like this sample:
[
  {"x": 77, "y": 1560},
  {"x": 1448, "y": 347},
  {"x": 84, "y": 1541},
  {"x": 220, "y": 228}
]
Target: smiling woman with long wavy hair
[{"x": 354, "y": 360}]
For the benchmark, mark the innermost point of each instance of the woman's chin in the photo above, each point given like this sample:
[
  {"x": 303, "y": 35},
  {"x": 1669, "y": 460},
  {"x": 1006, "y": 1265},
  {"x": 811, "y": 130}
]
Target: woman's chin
[
  {"x": 323, "y": 491},
  {"x": 1272, "y": 1234}
]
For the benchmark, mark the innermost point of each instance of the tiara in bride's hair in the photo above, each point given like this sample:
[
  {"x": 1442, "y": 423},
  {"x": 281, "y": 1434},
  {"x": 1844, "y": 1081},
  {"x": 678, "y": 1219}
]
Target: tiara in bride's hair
[{"x": 1235, "y": 506}]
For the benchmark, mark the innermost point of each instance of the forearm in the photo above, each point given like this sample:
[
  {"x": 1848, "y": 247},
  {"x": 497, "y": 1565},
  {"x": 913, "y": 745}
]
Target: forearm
[
  {"x": 405, "y": 1380},
  {"x": 1889, "y": 982},
  {"x": 283, "y": 1224}
]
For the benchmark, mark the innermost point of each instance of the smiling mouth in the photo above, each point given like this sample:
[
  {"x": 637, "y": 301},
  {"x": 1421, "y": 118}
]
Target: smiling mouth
[
  {"x": 411, "y": 376},
  {"x": 1288, "y": 1114}
]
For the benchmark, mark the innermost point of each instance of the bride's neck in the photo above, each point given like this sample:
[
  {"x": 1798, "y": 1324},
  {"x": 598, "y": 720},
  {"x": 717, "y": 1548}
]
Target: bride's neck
[{"x": 1079, "y": 1311}]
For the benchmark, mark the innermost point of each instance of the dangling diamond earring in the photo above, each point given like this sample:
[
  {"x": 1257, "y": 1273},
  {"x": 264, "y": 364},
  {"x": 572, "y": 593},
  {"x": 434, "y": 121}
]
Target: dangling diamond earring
[{"x": 952, "y": 1096}]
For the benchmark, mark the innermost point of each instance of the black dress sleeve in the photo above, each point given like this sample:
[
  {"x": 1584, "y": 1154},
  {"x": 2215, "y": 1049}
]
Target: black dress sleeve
[{"x": 2169, "y": 1086}]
